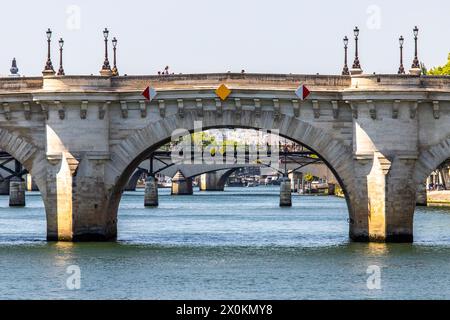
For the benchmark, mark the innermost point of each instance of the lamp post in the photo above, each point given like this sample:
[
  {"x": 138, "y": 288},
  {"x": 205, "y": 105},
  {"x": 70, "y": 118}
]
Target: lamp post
[
  {"x": 416, "y": 59},
  {"x": 401, "y": 69},
  {"x": 61, "y": 69},
  {"x": 415, "y": 68},
  {"x": 115, "y": 71},
  {"x": 345, "y": 71},
  {"x": 415, "y": 64},
  {"x": 14, "y": 70},
  {"x": 356, "y": 64},
  {"x": 48, "y": 69},
  {"x": 106, "y": 68},
  {"x": 356, "y": 68}
]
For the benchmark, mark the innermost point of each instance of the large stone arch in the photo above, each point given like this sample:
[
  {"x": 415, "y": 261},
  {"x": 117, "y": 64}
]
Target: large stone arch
[
  {"x": 430, "y": 158},
  {"x": 33, "y": 159},
  {"x": 29, "y": 155},
  {"x": 127, "y": 155}
]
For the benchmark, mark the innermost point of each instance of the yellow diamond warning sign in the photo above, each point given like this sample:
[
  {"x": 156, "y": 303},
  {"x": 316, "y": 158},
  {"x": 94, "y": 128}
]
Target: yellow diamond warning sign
[{"x": 223, "y": 92}]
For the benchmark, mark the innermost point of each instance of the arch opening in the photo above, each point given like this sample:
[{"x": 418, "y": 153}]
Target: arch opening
[
  {"x": 21, "y": 198},
  {"x": 32, "y": 159},
  {"x": 128, "y": 171},
  {"x": 432, "y": 212}
]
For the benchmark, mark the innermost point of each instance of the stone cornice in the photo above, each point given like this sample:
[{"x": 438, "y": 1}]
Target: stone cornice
[{"x": 245, "y": 81}]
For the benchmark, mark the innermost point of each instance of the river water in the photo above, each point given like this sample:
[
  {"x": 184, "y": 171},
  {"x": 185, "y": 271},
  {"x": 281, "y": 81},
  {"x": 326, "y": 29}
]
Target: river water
[{"x": 237, "y": 244}]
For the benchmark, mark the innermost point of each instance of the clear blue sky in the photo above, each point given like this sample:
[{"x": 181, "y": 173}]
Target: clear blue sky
[{"x": 283, "y": 36}]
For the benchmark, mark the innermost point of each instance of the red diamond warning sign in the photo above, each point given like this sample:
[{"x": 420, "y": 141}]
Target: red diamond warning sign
[{"x": 302, "y": 92}]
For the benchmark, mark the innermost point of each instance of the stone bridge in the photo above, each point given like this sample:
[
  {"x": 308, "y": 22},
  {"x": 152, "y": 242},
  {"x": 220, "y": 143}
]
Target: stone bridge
[{"x": 82, "y": 137}]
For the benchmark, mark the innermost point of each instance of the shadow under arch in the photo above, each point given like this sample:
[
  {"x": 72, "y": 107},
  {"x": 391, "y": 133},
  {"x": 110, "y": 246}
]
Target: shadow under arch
[
  {"x": 430, "y": 159},
  {"x": 223, "y": 178},
  {"x": 31, "y": 157},
  {"x": 127, "y": 155}
]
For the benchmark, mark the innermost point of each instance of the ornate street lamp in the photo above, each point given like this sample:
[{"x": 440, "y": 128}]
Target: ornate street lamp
[
  {"x": 416, "y": 59},
  {"x": 14, "y": 69},
  {"x": 61, "y": 69},
  {"x": 356, "y": 68},
  {"x": 345, "y": 71},
  {"x": 106, "y": 68},
  {"x": 415, "y": 64},
  {"x": 401, "y": 69},
  {"x": 48, "y": 69},
  {"x": 115, "y": 71}
]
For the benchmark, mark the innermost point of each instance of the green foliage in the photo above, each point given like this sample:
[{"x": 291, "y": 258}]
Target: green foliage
[
  {"x": 441, "y": 70},
  {"x": 308, "y": 177},
  {"x": 423, "y": 68}
]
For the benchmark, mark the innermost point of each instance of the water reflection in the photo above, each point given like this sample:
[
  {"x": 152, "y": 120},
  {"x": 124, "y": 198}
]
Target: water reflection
[
  {"x": 377, "y": 249},
  {"x": 233, "y": 245}
]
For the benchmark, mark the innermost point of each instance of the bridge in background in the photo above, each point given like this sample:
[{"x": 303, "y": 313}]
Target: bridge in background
[{"x": 215, "y": 173}]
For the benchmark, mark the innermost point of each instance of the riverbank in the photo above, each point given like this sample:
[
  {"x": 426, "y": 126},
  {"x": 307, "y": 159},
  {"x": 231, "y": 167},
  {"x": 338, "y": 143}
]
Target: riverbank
[
  {"x": 434, "y": 198},
  {"x": 438, "y": 198}
]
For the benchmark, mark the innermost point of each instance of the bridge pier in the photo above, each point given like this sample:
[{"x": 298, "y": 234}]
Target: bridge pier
[
  {"x": 421, "y": 195},
  {"x": 30, "y": 183},
  {"x": 151, "y": 192},
  {"x": 77, "y": 201},
  {"x": 16, "y": 192},
  {"x": 285, "y": 192},
  {"x": 181, "y": 185},
  {"x": 296, "y": 180},
  {"x": 382, "y": 205},
  {"x": 211, "y": 181},
  {"x": 4, "y": 187},
  {"x": 445, "y": 173}
]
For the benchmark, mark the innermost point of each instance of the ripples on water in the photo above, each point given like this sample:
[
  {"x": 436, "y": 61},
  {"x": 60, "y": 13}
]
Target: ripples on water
[{"x": 236, "y": 244}]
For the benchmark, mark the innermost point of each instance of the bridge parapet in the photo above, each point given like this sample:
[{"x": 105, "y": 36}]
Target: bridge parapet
[
  {"x": 13, "y": 85},
  {"x": 233, "y": 80},
  {"x": 390, "y": 82},
  {"x": 76, "y": 83}
]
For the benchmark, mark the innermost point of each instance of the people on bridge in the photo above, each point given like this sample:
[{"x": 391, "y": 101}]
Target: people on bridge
[{"x": 165, "y": 72}]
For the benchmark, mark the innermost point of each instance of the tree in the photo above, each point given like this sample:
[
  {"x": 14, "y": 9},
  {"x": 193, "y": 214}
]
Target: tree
[{"x": 441, "y": 70}]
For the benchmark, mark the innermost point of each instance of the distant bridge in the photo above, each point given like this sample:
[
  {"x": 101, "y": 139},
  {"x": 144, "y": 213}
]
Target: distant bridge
[{"x": 161, "y": 162}]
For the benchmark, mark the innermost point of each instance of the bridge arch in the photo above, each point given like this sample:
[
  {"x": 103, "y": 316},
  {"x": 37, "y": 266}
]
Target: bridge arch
[
  {"x": 126, "y": 156},
  {"x": 33, "y": 159},
  {"x": 219, "y": 184},
  {"x": 29, "y": 155},
  {"x": 430, "y": 158},
  {"x": 133, "y": 181},
  {"x": 224, "y": 177}
]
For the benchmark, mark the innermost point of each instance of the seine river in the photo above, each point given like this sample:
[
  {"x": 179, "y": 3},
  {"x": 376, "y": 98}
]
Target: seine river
[{"x": 236, "y": 244}]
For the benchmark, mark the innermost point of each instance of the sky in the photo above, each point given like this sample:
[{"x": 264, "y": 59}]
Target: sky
[{"x": 201, "y": 36}]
